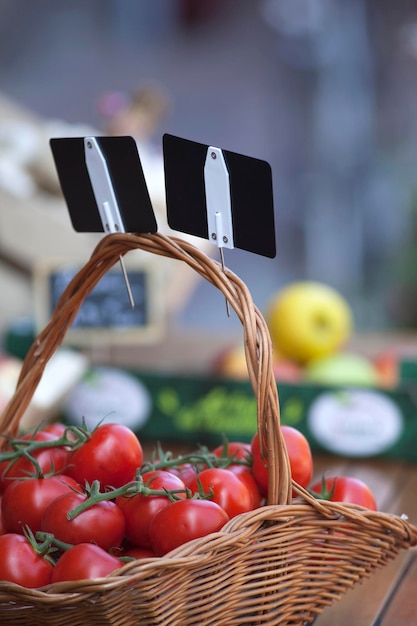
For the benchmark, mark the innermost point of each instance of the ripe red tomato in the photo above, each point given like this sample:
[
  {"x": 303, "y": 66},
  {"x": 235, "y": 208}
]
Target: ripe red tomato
[
  {"x": 185, "y": 471},
  {"x": 183, "y": 521},
  {"x": 244, "y": 472},
  {"x": 103, "y": 523},
  {"x": 53, "y": 459},
  {"x": 299, "y": 452},
  {"x": 2, "y": 525},
  {"x": 346, "y": 489},
  {"x": 24, "y": 501},
  {"x": 55, "y": 428},
  {"x": 229, "y": 492},
  {"x": 139, "y": 510},
  {"x": 84, "y": 561},
  {"x": 20, "y": 563},
  {"x": 235, "y": 449},
  {"x": 259, "y": 468},
  {"x": 300, "y": 456},
  {"x": 111, "y": 455},
  {"x": 136, "y": 552}
]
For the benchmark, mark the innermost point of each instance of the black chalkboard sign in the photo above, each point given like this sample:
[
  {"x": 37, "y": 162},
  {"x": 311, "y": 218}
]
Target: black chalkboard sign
[
  {"x": 106, "y": 313},
  {"x": 106, "y": 305}
]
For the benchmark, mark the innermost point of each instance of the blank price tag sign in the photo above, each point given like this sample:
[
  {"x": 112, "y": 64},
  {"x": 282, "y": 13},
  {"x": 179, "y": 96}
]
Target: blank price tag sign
[{"x": 219, "y": 195}]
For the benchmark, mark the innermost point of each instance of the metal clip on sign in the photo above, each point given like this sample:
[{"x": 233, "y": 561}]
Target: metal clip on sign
[
  {"x": 218, "y": 202},
  {"x": 105, "y": 196},
  {"x": 211, "y": 193}
]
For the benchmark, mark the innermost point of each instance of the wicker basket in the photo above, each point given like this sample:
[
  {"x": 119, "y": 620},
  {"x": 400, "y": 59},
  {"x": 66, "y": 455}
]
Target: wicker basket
[{"x": 280, "y": 564}]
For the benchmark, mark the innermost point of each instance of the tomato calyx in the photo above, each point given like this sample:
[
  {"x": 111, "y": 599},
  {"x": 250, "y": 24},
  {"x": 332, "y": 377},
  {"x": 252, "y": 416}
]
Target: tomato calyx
[
  {"x": 200, "y": 493},
  {"x": 325, "y": 492},
  {"x": 41, "y": 546},
  {"x": 50, "y": 543}
]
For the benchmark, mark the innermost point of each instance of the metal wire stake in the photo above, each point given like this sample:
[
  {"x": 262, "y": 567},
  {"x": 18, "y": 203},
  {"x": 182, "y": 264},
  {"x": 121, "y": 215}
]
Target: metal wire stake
[
  {"x": 125, "y": 276},
  {"x": 223, "y": 266}
]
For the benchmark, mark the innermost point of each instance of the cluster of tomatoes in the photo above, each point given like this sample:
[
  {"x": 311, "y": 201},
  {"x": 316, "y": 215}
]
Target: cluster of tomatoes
[{"x": 77, "y": 504}]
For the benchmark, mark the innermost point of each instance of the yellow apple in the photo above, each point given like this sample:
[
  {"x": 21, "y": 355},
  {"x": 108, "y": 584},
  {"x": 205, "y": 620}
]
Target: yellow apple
[{"x": 308, "y": 320}]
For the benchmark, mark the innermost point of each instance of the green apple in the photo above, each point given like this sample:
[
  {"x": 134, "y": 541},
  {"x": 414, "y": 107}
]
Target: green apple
[
  {"x": 308, "y": 320},
  {"x": 344, "y": 368}
]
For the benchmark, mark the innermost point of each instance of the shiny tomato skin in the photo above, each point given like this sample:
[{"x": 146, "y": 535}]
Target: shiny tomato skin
[
  {"x": 183, "y": 521},
  {"x": 139, "y": 510},
  {"x": 136, "y": 552},
  {"x": 300, "y": 457},
  {"x": 259, "y": 468},
  {"x": 346, "y": 489},
  {"x": 20, "y": 564},
  {"x": 84, "y": 561},
  {"x": 245, "y": 474},
  {"x": 229, "y": 492},
  {"x": 103, "y": 523},
  {"x": 111, "y": 455},
  {"x": 299, "y": 452},
  {"x": 24, "y": 501},
  {"x": 185, "y": 471}
]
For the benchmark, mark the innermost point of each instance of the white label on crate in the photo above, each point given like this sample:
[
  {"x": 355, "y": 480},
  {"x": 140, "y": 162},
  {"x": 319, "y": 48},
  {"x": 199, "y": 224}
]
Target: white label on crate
[
  {"x": 110, "y": 395},
  {"x": 355, "y": 422}
]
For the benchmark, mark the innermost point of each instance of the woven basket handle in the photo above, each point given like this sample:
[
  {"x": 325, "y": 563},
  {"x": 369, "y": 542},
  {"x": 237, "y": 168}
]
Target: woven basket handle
[{"x": 257, "y": 341}]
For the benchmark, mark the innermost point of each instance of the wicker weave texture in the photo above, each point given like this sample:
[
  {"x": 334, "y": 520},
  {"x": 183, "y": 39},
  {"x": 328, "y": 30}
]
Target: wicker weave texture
[{"x": 281, "y": 564}]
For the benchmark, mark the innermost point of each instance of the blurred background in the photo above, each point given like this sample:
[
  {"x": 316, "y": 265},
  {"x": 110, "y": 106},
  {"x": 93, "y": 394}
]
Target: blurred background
[{"x": 324, "y": 90}]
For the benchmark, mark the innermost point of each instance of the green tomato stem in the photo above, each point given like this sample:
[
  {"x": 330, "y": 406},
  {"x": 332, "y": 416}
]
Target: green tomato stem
[{"x": 130, "y": 489}]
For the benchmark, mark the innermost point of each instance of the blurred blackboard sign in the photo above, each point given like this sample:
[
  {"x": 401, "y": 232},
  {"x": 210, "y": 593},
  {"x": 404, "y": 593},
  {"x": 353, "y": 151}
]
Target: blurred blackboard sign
[{"x": 106, "y": 314}]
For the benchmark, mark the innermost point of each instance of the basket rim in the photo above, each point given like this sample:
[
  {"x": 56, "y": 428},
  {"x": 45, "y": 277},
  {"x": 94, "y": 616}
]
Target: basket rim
[{"x": 396, "y": 530}]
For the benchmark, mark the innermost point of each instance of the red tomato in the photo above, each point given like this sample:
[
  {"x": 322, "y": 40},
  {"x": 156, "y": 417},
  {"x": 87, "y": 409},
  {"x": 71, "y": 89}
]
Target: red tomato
[
  {"x": 25, "y": 501},
  {"x": 139, "y": 510},
  {"x": 346, "y": 489},
  {"x": 300, "y": 456},
  {"x": 2, "y": 525},
  {"x": 183, "y": 521},
  {"x": 235, "y": 450},
  {"x": 84, "y": 561},
  {"x": 55, "y": 428},
  {"x": 53, "y": 459},
  {"x": 185, "y": 471},
  {"x": 259, "y": 468},
  {"x": 299, "y": 452},
  {"x": 111, "y": 455},
  {"x": 20, "y": 563},
  {"x": 229, "y": 492},
  {"x": 103, "y": 523},
  {"x": 245, "y": 474},
  {"x": 136, "y": 552}
]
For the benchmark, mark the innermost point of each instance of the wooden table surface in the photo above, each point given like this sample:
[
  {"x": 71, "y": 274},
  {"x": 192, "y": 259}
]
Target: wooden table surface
[{"x": 389, "y": 596}]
